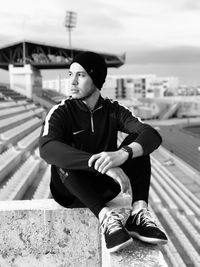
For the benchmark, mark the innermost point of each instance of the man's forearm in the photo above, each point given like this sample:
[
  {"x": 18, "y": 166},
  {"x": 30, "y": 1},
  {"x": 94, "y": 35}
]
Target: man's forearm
[
  {"x": 64, "y": 156},
  {"x": 144, "y": 143},
  {"x": 149, "y": 140}
]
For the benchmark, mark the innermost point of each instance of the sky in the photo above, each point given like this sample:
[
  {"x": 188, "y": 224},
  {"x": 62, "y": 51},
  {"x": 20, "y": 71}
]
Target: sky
[{"x": 159, "y": 37}]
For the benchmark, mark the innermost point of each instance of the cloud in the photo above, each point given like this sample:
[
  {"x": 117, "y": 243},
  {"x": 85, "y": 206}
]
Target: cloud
[
  {"x": 173, "y": 55},
  {"x": 190, "y": 5}
]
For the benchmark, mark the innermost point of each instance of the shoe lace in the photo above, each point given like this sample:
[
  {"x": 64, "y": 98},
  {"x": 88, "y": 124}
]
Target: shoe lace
[
  {"x": 112, "y": 223},
  {"x": 145, "y": 218}
]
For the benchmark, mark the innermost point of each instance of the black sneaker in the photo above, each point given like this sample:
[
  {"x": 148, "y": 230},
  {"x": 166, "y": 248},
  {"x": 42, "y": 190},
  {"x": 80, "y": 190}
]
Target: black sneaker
[
  {"x": 143, "y": 227},
  {"x": 116, "y": 236}
]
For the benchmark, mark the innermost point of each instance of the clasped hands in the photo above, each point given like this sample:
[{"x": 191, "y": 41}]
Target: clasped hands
[{"x": 108, "y": 163}]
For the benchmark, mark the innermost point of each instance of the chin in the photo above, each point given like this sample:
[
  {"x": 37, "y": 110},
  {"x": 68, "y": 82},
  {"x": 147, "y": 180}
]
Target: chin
[{"x": 76, "y": 97}]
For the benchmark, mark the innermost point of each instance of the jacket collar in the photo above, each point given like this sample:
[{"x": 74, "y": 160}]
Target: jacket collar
[{"x": 83, "y": 106}]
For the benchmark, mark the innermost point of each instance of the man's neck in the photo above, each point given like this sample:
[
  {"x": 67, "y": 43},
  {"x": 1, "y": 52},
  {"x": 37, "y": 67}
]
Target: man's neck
[{"x": 92, "y": 100}]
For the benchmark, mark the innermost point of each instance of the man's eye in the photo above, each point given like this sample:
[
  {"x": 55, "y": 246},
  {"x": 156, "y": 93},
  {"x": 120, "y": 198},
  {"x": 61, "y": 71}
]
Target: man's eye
[{"x": 69, "y": 75}]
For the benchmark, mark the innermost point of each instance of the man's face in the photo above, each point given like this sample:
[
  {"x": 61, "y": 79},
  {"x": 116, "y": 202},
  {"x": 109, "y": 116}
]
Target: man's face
[{"x": 81, "y": 85}]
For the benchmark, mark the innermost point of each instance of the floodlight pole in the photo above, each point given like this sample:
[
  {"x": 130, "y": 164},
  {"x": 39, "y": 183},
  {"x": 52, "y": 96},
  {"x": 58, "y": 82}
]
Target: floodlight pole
[{"x": 70, "y": 23}]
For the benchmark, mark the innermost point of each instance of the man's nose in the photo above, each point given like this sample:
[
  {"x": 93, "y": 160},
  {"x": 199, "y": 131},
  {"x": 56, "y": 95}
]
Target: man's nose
[{"x": 74, "y": 80}]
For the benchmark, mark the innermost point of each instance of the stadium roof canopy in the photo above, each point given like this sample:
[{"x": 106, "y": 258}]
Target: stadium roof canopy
[{"x": 45, "y": 56}]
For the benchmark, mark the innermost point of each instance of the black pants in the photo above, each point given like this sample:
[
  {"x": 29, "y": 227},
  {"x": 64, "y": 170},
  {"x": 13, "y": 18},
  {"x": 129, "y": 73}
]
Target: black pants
[{"x": 86, "y": 189}]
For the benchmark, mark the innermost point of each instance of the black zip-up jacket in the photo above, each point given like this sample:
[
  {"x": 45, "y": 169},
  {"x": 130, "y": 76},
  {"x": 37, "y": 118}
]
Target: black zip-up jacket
[{"x": 72, "y": 133}]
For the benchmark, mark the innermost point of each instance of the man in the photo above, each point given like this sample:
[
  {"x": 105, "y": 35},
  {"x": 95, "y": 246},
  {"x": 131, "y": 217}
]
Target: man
[{"x": 79, "y": 140}]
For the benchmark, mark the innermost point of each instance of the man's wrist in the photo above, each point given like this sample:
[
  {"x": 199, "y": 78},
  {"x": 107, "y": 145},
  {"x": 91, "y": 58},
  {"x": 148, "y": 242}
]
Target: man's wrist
[{"x": 128, "y": 150}]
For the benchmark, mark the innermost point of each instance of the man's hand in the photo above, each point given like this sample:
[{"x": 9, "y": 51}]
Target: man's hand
[
  {"x": 103, "y": 161},
  {"x": 120, "y": 177}
]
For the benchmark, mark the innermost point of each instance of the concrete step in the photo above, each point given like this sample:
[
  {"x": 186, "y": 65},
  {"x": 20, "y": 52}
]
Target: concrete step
[{"x": 41, "y": 233}]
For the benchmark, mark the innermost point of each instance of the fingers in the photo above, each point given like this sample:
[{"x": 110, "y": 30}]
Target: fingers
[
  {"x": 93, "y": 159},
  {"x": 101, "y": 162},
  {"x": 105, "y": 167}
]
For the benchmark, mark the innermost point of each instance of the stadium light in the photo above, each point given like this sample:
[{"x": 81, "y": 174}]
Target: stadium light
[{"x": 70, "y": 23}]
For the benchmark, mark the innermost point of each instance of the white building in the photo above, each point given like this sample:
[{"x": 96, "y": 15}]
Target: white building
[
  {"x": 125, "y": 86},
  {"x": 161, "y": 86}
]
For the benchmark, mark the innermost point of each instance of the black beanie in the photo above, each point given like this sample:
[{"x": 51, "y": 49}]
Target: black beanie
[{"x": 95, "y": 66}]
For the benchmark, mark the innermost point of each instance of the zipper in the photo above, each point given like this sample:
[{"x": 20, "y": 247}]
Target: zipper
[{"x": 92, "y": 119}]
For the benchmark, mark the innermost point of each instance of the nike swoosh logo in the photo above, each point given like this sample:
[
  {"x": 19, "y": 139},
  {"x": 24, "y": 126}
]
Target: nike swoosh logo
[{"x": 74, "y": 133}]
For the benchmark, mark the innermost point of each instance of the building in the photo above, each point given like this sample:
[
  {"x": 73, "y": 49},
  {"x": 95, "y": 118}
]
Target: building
[{"x": 126, "y": 86}]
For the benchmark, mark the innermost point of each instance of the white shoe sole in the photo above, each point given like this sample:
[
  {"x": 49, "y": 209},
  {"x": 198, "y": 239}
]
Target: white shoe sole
[
  {"x": 121, "y": 246},
  {"x": 149, "y": 240}
]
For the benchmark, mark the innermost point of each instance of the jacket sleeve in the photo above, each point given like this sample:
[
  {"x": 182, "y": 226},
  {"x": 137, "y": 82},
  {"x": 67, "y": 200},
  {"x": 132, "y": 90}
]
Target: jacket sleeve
[
  {"x": 52, "y": 147},
  {"x": 147, "y": 136}
]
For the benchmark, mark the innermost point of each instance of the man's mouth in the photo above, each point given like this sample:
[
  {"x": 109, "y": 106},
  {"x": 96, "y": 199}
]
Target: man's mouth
[{"x": 74, "y": 90}]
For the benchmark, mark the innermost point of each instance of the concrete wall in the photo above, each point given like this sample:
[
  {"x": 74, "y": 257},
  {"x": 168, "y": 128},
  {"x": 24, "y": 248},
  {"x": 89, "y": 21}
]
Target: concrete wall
[
  {"x": 25, "y": 80},
  {"x": 40, "y": 233}
]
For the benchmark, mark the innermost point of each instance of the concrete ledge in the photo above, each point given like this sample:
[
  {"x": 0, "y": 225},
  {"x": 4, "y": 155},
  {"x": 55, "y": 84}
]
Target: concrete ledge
[
  {"x": 41, "y": 233},
  {"x": 136, "y": 255}
]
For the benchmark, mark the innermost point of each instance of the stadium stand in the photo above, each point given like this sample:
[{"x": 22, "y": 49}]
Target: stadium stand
[
  {"x": 16, "y": 110},
  {"x": 175, "y": 185},
  {"x": 22, "y": 178},
  {"x": 15, "y": 134},
  {"x": 10, "y": 94},
  {"x": 8, "y": 104},
  {"x": 43, "y": 189},
  {"x": 20, "y": 126},
  {"x": 8, "y": 161},
  {"x": 29, "y": 142},
  {"x": 179, "y": 209}
]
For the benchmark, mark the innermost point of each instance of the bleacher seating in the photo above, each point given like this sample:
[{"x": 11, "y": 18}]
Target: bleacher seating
[
  {"x": 8, "y": 161},
  {"x": 10, "y": 94},
  {"x": 19, "y": 133},
  {"x": 12, "y": 121},
  {"x": 174, "y": 187},
  {"x": 48, "y": 97},
  {"x": 180, "y": 210},
  {"x": 43, "y": 189},
  {"x": 11, "y": 110},
  {"x": 17, "y": 185},
  {"x": 175, "y": 205},
  {"x": 15, "y": 134},
  {"x": 29, "y": 142},
  {"x": 8, "y": 104}
]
